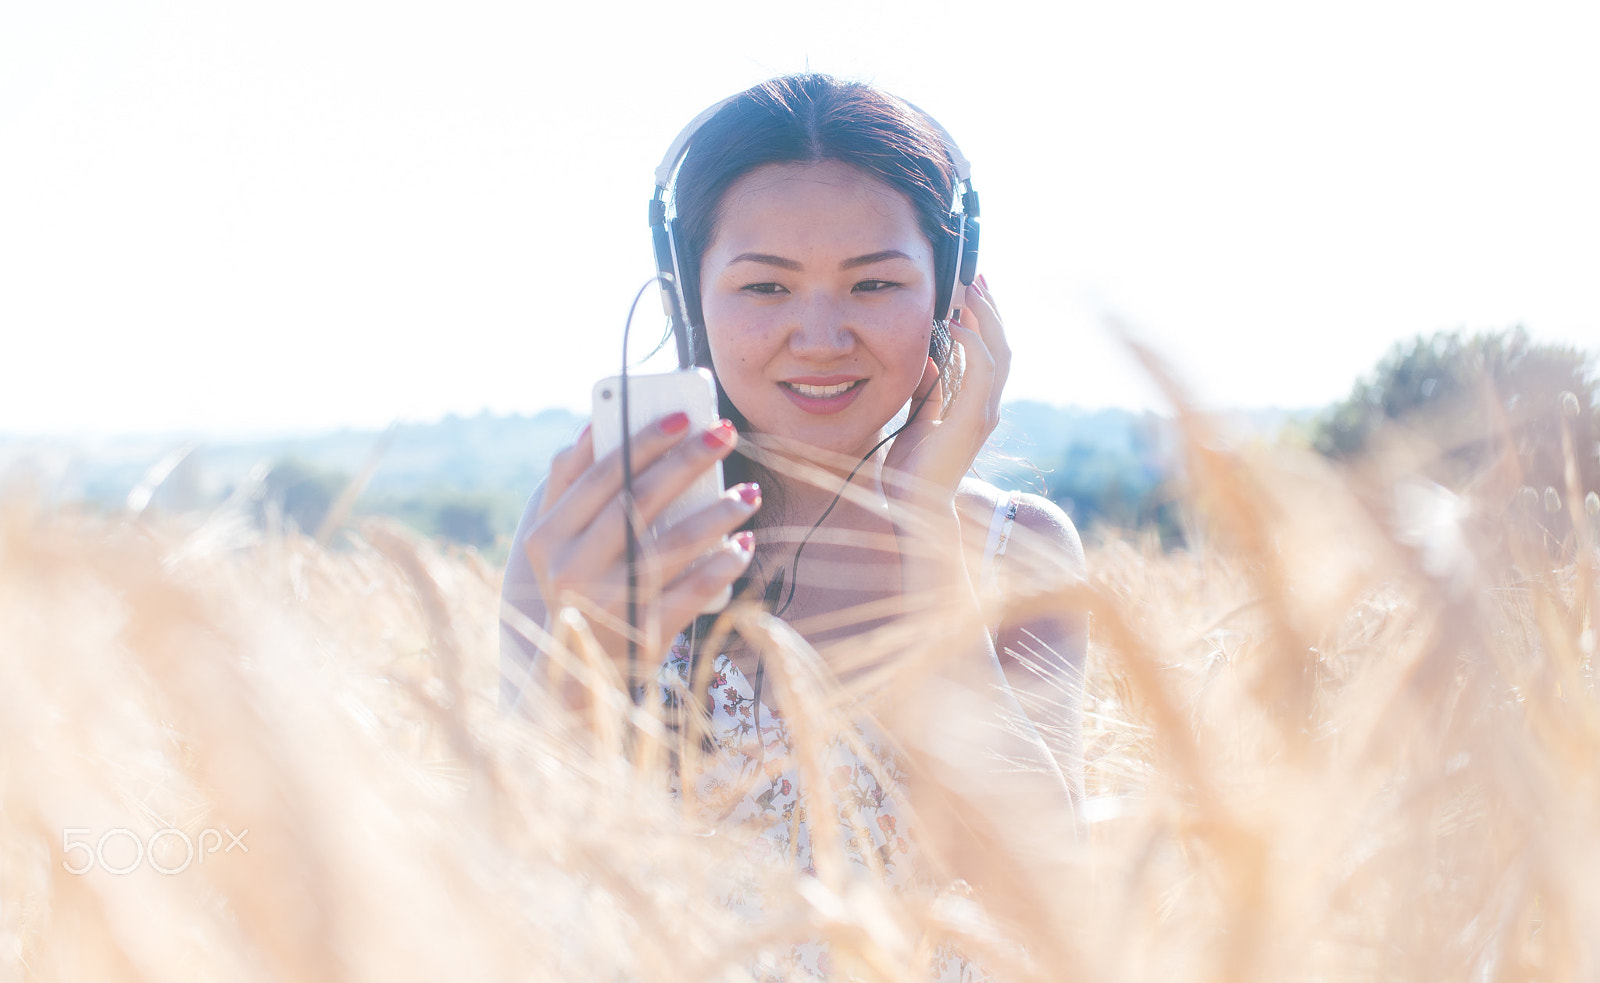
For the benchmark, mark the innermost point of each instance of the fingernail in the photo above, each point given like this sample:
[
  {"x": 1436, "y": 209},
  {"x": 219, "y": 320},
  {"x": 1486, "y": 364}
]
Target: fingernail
[
  {"x": 750, "y": 494},
  {"x": 675, "y": 422},
  {"x": 719, "y": 436},
  {"x": 746, "y": 541},
  {"x": 582, "y": 433},
  {"x": 983, "y": 283}
]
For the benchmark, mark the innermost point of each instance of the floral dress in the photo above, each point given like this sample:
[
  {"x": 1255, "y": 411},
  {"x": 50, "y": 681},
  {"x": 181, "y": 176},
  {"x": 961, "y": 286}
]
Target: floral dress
[{"x": 751, "y": 779}]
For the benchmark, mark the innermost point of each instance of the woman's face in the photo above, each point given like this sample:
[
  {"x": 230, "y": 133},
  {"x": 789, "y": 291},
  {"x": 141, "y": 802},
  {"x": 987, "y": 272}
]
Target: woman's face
[{"x": 818, "y": 291}]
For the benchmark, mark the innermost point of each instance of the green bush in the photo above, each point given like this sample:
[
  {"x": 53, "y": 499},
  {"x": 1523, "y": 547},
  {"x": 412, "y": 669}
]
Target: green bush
[{"x": 1483, "y": 402}]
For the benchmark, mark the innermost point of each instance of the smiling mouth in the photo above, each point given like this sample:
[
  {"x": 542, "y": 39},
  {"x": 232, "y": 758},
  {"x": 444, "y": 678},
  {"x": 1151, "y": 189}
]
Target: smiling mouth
[{"x": 822, "y": 392}]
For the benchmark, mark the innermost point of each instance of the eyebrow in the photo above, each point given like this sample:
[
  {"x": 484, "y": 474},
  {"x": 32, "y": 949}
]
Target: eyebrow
[
  {"x": 871, "y": 258},
  {"x": 767, "y": 259}
]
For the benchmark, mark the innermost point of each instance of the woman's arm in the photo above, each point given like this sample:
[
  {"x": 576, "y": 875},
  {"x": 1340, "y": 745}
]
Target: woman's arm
[
  {"x": 1043, "y": 655},
  {"x": 976, "y": 760},
  {"x": 570, "y": 549},
  {"x": 976, "y": 763},
  {"x": 940, "y": 592},
  {"x": 923, "y": 473},
  {"x": 519, "y": 599}
]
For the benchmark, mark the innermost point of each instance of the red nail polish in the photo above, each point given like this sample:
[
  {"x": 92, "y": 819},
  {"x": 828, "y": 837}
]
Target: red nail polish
[
  {"x": 719, "y": 436},
  {"x": 750, "y": 494},
  {"x": 675, "y": 423},
  {"x": 746, "y": 540}
]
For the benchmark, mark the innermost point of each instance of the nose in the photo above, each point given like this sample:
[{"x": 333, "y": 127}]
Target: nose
[{"x": 821, "y": 331}]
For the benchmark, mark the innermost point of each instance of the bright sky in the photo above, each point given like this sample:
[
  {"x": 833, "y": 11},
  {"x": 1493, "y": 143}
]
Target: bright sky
[{"x": 255, "y": 217}]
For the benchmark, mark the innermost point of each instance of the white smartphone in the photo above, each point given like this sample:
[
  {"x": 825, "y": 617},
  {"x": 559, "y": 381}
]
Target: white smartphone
[{"x": 650, "y": 397}]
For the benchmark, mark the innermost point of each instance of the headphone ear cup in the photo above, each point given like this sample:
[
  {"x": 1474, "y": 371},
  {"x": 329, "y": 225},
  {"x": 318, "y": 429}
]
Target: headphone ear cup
[
  {"x": 947, "y": 263},
  {"x": 661, "y": 242},
  {"x": 941, "y": 298},
  {"x": 969, "y": 251},
  {"x": 661, "y": 238},
  {"x": 688, "y": 288}
]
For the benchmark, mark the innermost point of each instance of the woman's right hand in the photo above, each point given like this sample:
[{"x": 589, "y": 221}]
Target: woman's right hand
[{"x": 576, "y": 545}]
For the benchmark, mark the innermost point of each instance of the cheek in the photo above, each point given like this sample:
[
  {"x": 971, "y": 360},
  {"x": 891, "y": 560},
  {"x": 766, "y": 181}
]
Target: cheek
[
  {"x": 902, "y": 340},
  {"x": 732, "y": 344},
  {"x": 738, "y": 331},
  {"x": 911, "y": 353},
  {"x": 738, "y": 351}
]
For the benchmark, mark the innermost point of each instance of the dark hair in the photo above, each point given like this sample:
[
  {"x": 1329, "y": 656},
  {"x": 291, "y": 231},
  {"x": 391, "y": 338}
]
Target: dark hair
[{"x": 804, "y": 119}]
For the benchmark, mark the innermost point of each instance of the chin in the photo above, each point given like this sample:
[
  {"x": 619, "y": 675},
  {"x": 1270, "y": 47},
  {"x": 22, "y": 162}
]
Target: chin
[
  {"x": 829, "y": 445},
  {"x": 823, "y": 437}
]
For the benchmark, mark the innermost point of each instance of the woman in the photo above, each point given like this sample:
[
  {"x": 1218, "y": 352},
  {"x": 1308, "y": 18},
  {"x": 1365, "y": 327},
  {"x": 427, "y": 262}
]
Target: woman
[{"x": 813, "y": 215}]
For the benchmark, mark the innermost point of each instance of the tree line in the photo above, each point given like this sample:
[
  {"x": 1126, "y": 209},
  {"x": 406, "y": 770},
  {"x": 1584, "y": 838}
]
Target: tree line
[{"x": 1474, "y": 412}]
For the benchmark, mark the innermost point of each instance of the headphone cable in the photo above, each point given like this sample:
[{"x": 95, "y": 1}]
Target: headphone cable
[
  {"x": 777, "y": 584},
  {"x": 629, "y": 510}
]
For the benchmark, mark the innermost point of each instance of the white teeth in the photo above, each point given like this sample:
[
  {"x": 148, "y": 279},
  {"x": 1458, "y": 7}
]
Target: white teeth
[{"x": 819, "y": 392}]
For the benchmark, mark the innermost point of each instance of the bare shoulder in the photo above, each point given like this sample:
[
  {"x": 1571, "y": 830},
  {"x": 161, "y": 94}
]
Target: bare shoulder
[{"x": 1051, "y": 527}]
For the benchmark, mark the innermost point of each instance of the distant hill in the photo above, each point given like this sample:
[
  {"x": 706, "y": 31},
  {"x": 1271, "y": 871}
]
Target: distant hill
[
  {"x": 467, "y": 477},
  {"x": 473, "y": 454}
]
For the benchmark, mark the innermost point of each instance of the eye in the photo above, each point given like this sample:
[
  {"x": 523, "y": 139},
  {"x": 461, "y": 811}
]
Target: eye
[
  {"x": 873, "y": 286},
  {"x": 765, "y": 289}
]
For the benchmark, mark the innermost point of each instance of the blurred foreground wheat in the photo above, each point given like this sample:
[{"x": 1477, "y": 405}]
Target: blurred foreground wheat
[{"x": 1353, "y": 736}]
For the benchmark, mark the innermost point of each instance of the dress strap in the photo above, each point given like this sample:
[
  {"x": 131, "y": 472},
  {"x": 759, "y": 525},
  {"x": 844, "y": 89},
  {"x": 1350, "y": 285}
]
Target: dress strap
[{"x": 1005, "y": 516}]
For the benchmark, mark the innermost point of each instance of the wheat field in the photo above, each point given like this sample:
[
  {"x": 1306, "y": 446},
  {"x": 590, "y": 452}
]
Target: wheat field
[{"x": 1351, "y": 733}]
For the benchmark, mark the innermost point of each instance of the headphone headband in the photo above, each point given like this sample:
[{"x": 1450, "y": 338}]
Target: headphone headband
[
  {"x": 680, "y": 145},
  {"x": 963, "y": 167}
]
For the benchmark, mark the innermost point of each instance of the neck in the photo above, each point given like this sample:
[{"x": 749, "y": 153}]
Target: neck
[
  {"x": 812, "y": 480},
  {"x": 824, "y": 516}
]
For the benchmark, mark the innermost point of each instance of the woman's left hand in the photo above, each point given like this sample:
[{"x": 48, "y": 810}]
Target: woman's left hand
[{"x": 927, "y": 460}]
